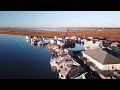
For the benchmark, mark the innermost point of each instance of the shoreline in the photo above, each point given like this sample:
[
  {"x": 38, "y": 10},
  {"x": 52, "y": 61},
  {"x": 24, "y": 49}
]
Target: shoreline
[{"x": 110, "y": 34}]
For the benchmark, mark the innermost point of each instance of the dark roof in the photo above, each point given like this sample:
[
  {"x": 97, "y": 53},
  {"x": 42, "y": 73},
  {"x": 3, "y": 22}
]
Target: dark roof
[
  {"x": 102, "y": 56},
  {"x": 112, "y": 52}
]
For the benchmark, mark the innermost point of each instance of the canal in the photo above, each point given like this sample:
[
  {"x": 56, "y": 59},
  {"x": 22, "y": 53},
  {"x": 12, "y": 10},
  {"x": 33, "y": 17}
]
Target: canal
[{"x": 21, "y": 60}]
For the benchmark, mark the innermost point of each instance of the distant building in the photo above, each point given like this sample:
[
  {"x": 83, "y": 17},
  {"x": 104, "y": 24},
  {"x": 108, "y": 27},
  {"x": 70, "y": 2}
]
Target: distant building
[
  {"x": 90, "y": 37},
  {"x": 52, "y": 41},
  {"x": 88, "y": 45}
]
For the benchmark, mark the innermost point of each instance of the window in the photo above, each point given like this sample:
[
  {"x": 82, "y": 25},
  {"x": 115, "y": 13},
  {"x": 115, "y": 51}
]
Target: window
[
  {"x": 65, "y": 69},
  {"x": 61, "y": 66},
  {"x": 62, "y": 76},
  {"x": 113, "y": 67}
]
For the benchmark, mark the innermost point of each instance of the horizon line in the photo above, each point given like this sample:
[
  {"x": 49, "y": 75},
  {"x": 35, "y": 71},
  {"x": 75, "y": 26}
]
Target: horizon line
[{"x": 59, "y": 27}]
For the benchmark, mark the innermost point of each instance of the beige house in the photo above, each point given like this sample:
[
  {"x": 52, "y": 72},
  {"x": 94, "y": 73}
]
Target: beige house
[
  {"x": 90, "y": 45},
  {"x": 103, "y": 60},
  {"x": 66, "y": 66},
  {"x": 114, "y": 44},
  {"x": 65, "y": 60},
  {"x": 69, "y": 71}
]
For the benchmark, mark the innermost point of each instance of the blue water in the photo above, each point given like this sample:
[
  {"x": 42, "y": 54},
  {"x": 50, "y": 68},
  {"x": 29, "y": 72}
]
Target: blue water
[
  {"x": 21, "y": 60},
  {"x": 48, "y": 28},
  {"x": 39, "y": 28}
]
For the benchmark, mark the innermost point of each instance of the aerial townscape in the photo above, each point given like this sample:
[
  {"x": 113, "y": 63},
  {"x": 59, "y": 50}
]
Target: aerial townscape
[
  {"x": 81, "y": 58},
  {"x": 60, "y": 45}
]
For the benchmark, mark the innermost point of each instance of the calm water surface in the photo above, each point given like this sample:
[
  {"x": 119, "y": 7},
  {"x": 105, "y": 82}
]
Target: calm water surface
[{"x": 21, "y": 60}]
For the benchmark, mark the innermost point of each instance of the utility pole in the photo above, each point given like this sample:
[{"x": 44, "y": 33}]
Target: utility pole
[{"x": 67, "y": 32}]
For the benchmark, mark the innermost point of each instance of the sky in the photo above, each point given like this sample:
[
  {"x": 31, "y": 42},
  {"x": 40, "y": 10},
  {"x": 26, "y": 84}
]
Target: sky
[{"x": 59, "y": 19}]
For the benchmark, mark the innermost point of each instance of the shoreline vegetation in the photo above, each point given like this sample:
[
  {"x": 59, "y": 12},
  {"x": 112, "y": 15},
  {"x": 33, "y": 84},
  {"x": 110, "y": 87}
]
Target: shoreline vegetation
[{"x": 111, "y": 34}]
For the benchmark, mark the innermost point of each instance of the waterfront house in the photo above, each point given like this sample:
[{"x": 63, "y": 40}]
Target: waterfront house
[
  {"x": 52, "y": 41},
  {"x": 114, "y": 44},
  {"x": 102, "y": 59},
  {"x": 67, "y": 67},
  {"x": 78, "y": 40},
  {"x": 88, "y": 45},
  {"x": 60, "y": 42},
  {"x": 115, "y": 47},
  {"x": 73, "y": 37},
  {"x": 28, "y": 38},
  {"x": 54, "y": 61},
  {"x": 69, "y": 71}
]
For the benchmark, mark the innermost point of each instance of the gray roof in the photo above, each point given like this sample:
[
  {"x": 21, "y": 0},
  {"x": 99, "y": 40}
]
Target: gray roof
[
  {"x": 102, "y": 56},
  {"x": 67, "y": 69}
]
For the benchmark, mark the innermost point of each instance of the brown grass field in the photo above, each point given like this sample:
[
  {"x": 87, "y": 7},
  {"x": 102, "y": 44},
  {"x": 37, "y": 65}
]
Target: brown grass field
[{"x": 110, "y": 34}]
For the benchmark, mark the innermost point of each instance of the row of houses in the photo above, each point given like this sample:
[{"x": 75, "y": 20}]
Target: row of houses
[
  {"x": 101, "y": 56},
  {"x": 37, "y": 40},
  {"x": 64, "y": 63},
  {"x": 104, "y": 60},
  {"x": 66, "y": 67}
]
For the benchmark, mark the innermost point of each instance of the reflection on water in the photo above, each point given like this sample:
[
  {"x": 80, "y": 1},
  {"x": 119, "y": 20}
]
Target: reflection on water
[{"x": 24, "y": 60}]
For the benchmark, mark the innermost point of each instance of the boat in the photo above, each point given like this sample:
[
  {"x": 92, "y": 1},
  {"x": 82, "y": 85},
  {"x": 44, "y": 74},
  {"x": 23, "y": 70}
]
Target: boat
[{"x": 82, "y": 76}]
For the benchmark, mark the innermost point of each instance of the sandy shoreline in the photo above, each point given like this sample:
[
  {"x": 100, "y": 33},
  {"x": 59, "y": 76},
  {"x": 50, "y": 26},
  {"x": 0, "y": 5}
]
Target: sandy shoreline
[{"x": 110, "y": 34}]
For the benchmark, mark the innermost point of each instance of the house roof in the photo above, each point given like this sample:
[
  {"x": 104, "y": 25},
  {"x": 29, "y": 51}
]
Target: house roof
[
  {"x": 102, "y": 56},
  {"x": 66, "y": 69},
  {"x": 61, "y": 61}
]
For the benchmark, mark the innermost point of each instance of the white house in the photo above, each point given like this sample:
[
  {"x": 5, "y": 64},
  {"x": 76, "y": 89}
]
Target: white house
[
  {"x": 101, "y": 59},
  {"x": 90, "y": 37},
  {"x": 52, "y": 41},
  {"x": 60, "y": 42},
  {"x": 90, "y": 45},
  {"x": 27, "y": 38}
]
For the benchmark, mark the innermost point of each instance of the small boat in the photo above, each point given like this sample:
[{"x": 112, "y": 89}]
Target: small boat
[{"x": 82, "y": 76}]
